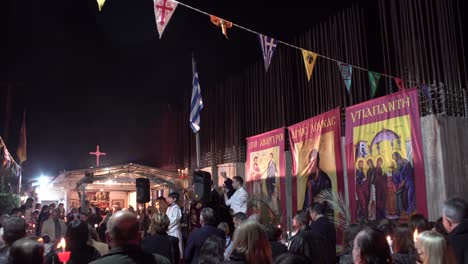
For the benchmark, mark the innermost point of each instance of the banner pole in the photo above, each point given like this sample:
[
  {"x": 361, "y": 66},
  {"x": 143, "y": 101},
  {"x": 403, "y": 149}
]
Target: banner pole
[{"x": 197, "y": 145}]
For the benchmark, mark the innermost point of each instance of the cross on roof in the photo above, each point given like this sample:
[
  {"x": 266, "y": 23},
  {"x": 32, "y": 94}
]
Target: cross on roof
[{"x": 97, "y": 154}]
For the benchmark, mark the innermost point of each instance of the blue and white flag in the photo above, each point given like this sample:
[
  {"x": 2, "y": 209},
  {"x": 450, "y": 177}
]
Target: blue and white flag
[
  {"x": 268, "y": 45},
  {"x": 197, "y": 102}
]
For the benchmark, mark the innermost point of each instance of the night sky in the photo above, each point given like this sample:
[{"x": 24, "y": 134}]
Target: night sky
[{"x": 88, "y": 78}]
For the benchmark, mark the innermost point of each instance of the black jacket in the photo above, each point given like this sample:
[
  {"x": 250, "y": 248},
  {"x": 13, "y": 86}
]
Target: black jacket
[
  {"x": 277, "y": 249},
  {"x": 165, "y": 245},
  {"x": 459, "y": 240},
  {"x": 326, "y": 228},
  {"x": 312, "y": 245},
  {"x": 236, "y": 258},
  {"x": 130, "y": 255},
  {"x": 404, "y": 258},
  {"x": 196, "y": 239}
]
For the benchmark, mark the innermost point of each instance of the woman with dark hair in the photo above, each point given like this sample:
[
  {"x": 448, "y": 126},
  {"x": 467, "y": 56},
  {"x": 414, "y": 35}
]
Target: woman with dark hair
[
  {"x": 419, "y": 222},
  {"x": 250, "y": 244},
  {"x": 289, "y": 258},
  {"x": 159, "y": 241},
  {"x": 371, "y": 247},
  {"x": 43, "y": 215},
  {"x": 348, "y": 242},
  {"x": 403, "y": 246},
  {"x": 212, "y": 251},
  {"x": 439, "y": 227},
  {"x": 26, "y": 251}
]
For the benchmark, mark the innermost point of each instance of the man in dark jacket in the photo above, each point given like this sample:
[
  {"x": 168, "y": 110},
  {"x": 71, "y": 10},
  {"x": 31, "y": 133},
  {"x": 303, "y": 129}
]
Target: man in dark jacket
[
  {"x": 321, "y": 224},
  {"x": 308, "y": 242},
  {"x": 454, "y": 218},
  {"x": 198, "y": 236},
  {"x": 122, "y": 232}
]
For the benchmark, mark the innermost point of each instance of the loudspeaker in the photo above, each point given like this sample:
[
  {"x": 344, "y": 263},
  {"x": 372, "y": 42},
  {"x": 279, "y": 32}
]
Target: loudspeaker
[
  {"x": 143, "y": 190},
  {"x": 202, "y": 185}
]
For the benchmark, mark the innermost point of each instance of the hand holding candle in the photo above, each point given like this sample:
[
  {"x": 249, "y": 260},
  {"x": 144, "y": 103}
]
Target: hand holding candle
[
  {"x": 415, "y": 236},
  {"x": 63, "y": 256},
  {"x": 390, "y": 243}
]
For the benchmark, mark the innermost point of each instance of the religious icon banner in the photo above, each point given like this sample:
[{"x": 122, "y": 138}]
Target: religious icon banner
[
  {"x": 316, "y": 155},
  {"x": 384, "y": 158},
  {"x": 265, "y": 176}
]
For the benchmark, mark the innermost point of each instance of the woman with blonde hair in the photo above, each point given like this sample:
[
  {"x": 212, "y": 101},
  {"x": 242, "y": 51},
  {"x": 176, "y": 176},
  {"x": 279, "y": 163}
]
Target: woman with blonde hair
[
  {"x": 250, "y": 244},
  {"x": 433, "y": 249},
  {"x": 159, "y": 241}
]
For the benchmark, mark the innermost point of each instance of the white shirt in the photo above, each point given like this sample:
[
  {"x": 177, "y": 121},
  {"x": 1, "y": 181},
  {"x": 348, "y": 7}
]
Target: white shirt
[
  {"x": 174, "y": 214},
  {"x": 238, "y": 201}
]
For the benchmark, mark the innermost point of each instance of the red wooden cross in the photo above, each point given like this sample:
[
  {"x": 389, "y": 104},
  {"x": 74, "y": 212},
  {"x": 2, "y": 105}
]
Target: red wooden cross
[
  {"x": 97, "y": 153},
  {"x": 164, "y": 8}
]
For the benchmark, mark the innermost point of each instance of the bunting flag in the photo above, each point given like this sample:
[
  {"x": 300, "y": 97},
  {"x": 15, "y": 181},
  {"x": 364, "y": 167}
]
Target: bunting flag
[
  {"x": 163, "y": 10},
  {"x": 196, "y": 104},
  {"x": 224, "y": 24},
  {"x": 101, "y": 4},
  {"x": 427, "y": 94},
  {"x": 21, "y": 151},
  {"x": 374, "y": 78},
  {"x": 268, "y": 45},
  {"x": 309, "y": 61},
  {"x": 346, "y": 71},
  {"x": 401, "y": 85}
]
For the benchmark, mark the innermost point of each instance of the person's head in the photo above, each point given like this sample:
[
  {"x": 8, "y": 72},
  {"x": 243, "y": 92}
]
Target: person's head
[
  {"x": 26, "y": 251},
  {"x": 371, "y": 246},
  {"x": 159, "y": 224},
  {"x": 403, "y": 239},
  {"x": 77, "y": 234},
  {"x": 83, "y": 217},
  {"x": 290, "y": 258},
  {"x": 16, "y": 212},
  {"x": 361, "y": 164},
  {"x": 419, "y": 222},
  {"x": 314, "y": 159},
  {"x": 238, "y": 218},
  {"x": 60, "y": 205},
  {"x": 349, "y": 234},
  {"x": 273, "y": 232},
  {"x": 396, "y": 156},
  {"x": 316, "y": 210},
  {"x": 301, "y": 219},
  {"x": 432, "y": 248},
  {"x": 38, "y": 206},
  {"x": 52, "y": 206},
  {"x": 255, "y": 159},
  {"x": 172, "y": 198},
  {"x": 370, "y": 163},
  {"x": 237, "y": 182},
  {"x": 225, "y": 227},
  {"x": 207, "y": 216},
  {"x": 14, "y": 228},
  {"x": 29, "y": 202},
  {"x": 122, "y": 229},
  {"x": 387, "y": 227},
  {"x": 212, "y": 250},
  {"x": 454, "y": 210},
  {"x": 55, "y": 214},
  {"x": 250, "y": 239},
  {"x": 271, "y": 155},
  {"x": 439, "y": 227},
  {"x": 379, "y": 162}
]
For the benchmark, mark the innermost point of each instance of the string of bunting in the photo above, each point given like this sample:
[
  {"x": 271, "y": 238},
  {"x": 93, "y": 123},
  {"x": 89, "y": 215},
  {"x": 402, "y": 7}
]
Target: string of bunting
[{"x": 165, "y": 8}]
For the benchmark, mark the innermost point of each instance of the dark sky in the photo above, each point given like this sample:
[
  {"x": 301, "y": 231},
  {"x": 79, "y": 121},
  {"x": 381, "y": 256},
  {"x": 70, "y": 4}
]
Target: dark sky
[{"x": 89, "y": 78}]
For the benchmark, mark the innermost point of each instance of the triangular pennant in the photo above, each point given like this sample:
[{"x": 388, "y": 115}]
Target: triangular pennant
[
  {"x": 268, "y": 45},
  {"x": 224, "y": 24},
  {"x": 374, "y": 78},
  {"x": 101, "y": 4},
  {"x": 346, "y": 71},
  {"x": 401, "y": 85},
  {"x": 163, "y": 10},
  {"x": 427, "y": 94},
  {"x": 309, "y": 61}
]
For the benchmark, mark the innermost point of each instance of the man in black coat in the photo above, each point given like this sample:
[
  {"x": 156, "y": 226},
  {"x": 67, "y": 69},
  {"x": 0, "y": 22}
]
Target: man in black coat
[
  {"x": 454, "y": 218},
  {"x": 308, "y": 242},
  {"x": 321, "y": 224},
  {"x": 198, "y": 236}
]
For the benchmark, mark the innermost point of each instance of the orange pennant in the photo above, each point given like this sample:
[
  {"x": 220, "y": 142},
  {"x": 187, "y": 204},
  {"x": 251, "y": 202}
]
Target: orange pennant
[{"x": 224, "y": 24}]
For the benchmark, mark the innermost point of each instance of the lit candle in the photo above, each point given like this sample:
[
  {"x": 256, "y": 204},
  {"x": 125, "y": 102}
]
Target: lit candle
[
  {"x": 390, "y": 242},
  {"x": 95, "y": 225},
  {"x": 415, "y": 236}
]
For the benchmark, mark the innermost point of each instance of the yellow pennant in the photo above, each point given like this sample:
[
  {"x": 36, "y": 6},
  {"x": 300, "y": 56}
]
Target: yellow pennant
[
  {"x": 100, "y": 4},
  {"x": 309, "y": 61}
]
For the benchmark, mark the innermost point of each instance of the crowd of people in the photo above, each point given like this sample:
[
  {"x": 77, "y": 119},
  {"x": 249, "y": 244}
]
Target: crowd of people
[{"x": 33, "y": 234}]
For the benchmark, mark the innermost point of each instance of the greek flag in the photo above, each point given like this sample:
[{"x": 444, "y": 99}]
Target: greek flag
[
  {"x": 197, "y": 102},
  {"x": 268, "y": 45}
]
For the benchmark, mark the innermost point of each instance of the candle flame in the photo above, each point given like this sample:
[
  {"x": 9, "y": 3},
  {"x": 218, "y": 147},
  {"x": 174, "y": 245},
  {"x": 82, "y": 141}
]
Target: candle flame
[
  {"x": 415, "y": 235},
  {"x": 62, "y": 244},
  {"x": 389, "y": 239}
]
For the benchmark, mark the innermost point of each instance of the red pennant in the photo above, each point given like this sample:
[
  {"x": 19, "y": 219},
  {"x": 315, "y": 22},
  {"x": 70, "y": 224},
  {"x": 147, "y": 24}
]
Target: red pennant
[
  {"x": 224, "y": 24},
  {"x": 401, "y": 85}
]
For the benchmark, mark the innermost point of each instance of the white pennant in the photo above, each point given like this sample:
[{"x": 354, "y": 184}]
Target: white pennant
[{"x": 163, "y": 10}]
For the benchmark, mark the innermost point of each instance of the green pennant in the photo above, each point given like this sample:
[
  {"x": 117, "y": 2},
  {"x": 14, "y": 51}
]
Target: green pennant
[{"x": 374, "y": 78}]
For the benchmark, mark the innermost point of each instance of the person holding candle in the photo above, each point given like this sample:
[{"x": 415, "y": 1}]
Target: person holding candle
[
  {"x": 27, "y": 250},
  {"x": 404, "y": 251},
  {"x": 54, "y": 227},
  {"x": 371, "y": 246}
]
